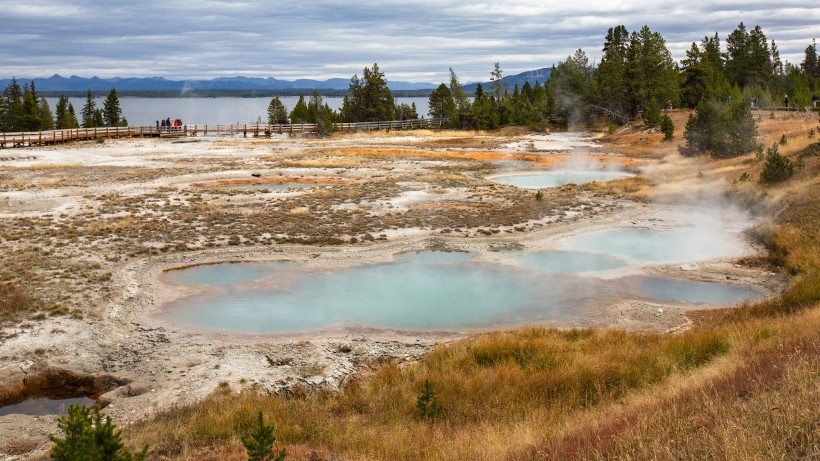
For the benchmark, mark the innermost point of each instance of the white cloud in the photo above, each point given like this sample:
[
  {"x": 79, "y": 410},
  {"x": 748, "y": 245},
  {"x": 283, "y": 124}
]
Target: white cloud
[{"x": 415, "y": 41}]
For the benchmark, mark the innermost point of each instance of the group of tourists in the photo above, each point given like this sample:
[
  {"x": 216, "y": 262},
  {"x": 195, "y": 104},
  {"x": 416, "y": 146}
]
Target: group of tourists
[{"x": 168, "y": 124}]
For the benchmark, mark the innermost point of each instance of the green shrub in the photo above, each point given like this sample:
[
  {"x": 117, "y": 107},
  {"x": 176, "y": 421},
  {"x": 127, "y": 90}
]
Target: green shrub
[
  {"x": 90, "y": 437},
  {"x": 783, "y": 140},
  {"x": 652, "y": 113},
  {"x": 777, "y": 167},
  {"x": 426, "y": 403},
  {"x": 539, "y": 196},
  {"x": 720, "y": 131},
  {"x": 260, "y": 443},
  {"x": 667, "y": 127}
]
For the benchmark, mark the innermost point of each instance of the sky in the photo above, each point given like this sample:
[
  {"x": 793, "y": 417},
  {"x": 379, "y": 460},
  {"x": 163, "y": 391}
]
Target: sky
[{"x": 415, "y": 41}]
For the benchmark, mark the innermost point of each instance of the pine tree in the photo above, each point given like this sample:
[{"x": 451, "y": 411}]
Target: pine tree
[
  {"x": 427, "y": 404},
  {"x": 461, "y": 118},
  {"x": 760, "y": 69},
  {"x": 570, "y": 83},
  {"x": 60, "y": 112},
  {"x": 259, "y": 444},
  {"x": 440, "y": 103},
  {"x": 495, "y": 86},
  {"x": 720, "y": 131},
  {"x": 111, "y": 109},
  {"x": 737, "y": 55},
  {"x": 90, "y": 437},
  {"x": 299, "y": 114},
  {"x": 277, "y": 112},
  {"x": 45, "y": 115},
  {"x": 11, "y": 104},
  {"x": 314, "y": 107},
  {"x": 98, "y": 118},
  {"x": 611, "y": 74},
  {"x": 667, "y": 127},
  {"x": 29, "y": 111},
  {"x": 72, "y": 117},
  {"x": 368, "y": 99},
  {"x": 651, "y": 114},
  {"x": 650, "y": 71},
  {"x": 88, "y": 111},
  {"x": 777, "y": 167},
  {"x": 810, "y": 65}
]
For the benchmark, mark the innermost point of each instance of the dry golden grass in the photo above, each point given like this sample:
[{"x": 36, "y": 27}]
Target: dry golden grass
[
  {"x": 14, "y": 302},
  {"x": 636, "y": 187},
  {"x": 524, "y": 378}
]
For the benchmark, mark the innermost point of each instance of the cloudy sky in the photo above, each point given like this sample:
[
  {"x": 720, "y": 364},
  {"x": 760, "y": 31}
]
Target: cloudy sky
[{"x": 416, "y": 40}]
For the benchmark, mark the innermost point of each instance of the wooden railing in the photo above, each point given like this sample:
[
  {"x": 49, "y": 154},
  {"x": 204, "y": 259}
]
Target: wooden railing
[{"x": 31, "y": 138}]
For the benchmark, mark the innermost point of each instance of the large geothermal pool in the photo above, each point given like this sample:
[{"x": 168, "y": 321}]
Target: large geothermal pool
[{"x": 435, "y": 290}]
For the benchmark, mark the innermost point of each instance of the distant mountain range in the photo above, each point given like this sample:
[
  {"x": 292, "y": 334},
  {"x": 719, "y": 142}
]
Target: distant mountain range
[
  {"x": 75, "y": 83},
  {"x": 532, "y": 76},
  {"x": 57, "y": 83}
]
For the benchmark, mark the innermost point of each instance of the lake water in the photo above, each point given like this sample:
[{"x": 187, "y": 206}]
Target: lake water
[{"x": 146, "y": 111}]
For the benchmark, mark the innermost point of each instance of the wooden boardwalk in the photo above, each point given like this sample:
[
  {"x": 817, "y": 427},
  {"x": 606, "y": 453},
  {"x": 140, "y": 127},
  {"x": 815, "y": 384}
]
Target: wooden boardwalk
[{"x": 41, "y": 138}]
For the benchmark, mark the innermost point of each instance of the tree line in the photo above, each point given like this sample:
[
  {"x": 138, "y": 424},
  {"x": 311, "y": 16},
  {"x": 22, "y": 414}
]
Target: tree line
[
  {"x": 24, "y": 109},
  {"x": 636, "y": 79}
]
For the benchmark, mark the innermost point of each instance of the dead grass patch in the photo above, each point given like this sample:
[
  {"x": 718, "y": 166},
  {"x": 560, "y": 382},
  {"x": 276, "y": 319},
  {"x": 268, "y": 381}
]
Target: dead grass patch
[{"x": 14, "y": 302}]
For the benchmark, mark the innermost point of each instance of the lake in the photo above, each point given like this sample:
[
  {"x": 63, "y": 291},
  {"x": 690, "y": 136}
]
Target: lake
[{"x": 146, "y": 111}]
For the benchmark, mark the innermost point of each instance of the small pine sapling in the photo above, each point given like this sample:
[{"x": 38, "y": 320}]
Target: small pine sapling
[
  {"x": 426, "y": 403},
  {"x": 667, "y": 127},
  {"x": 777, "y": 168},
  {"x": 90, "y": 437},
  {"x": 260, "y": 443}
]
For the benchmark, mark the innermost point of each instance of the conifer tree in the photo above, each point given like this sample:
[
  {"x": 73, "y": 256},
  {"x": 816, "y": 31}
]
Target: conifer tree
[
  {"x": 650, "y": 71},
  {"x": 90, "y": 437},
  {"x": 300, "y": 114},
  {"x": 88, "y": 110},
  {"x": 45, "y": 115},
  {"x": 72, "y": 117},
  {"x": 440, "y": 103},
  {"x": 811, "y": 64},
  {"x": 427, "y": 404},
  {"x": 259, "y": 444},
  {"x": 11, "y": 102},
  {"x": 461, "y": 117},
  {"x": 111, "y": 109},
  {"x": 611, "y": 74},
  {"x": 277, "y": 112},
  {"x": 98, "y": 118},
  {"x": 314, "y": 107},
  {"x": 60, "y": 112},
  {"x": 368, "y": 99},
  {"x": 29, "y": 111},
  {"x": 496, "y": 87}
]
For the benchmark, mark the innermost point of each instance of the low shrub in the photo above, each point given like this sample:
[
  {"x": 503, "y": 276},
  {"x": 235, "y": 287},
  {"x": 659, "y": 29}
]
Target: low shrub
[{"x": 777, "y": 168}]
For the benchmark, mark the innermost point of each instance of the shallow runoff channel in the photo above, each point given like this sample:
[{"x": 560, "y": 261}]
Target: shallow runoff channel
[{"x": 567, "y": 281}]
